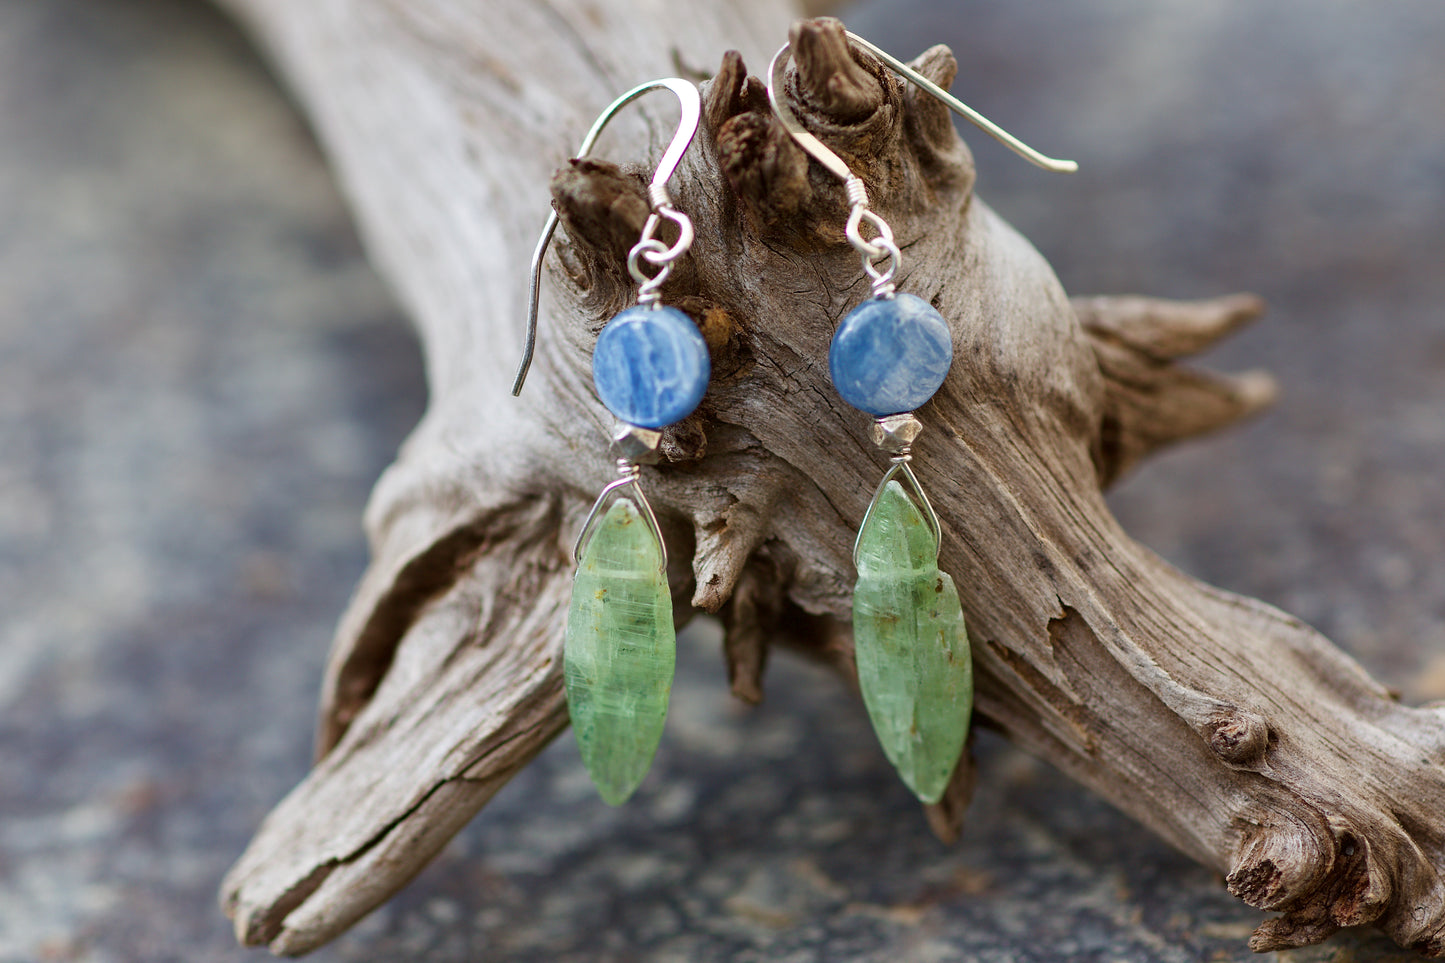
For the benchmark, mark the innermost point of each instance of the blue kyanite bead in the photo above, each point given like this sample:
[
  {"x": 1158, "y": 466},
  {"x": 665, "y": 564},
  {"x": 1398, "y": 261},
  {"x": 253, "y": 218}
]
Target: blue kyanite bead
[
  {"x": 890, "y": 354},
  {"x": 650, "y": 366}
]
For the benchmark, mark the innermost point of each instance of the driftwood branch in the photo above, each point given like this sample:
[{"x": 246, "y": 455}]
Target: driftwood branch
[{"x": 1231, "y": 729}]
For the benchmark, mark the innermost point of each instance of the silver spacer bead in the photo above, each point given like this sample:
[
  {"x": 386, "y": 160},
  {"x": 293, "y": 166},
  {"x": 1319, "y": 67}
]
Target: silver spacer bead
[
  {"x": 632, "y": 445},
  {"x": 895, "y": 434}
]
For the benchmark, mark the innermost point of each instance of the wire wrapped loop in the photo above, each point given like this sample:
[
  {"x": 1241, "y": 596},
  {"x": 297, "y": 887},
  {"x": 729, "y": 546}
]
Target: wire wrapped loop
[
  {"x": 882, "y": 280},
  {"x": 648, "y": 288},
  {"x": 882, "y": 246},
  {"x": 857, "y": 217},
  {"x": 654, "y": 251},
  {"x": 684, "y": 240}
]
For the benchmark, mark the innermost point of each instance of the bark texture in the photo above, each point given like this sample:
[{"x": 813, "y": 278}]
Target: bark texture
[{"x": 1233, "y": 730}]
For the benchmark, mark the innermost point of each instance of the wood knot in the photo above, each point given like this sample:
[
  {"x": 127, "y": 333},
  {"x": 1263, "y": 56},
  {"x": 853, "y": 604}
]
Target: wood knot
[
  {"x": 1256, "y": 884},
  {"x": 720, "y": 328},
  {"x": 1238, "y": 736},
  {"x": 1275, "y": 867},
  {"x": 685, "y": 441}
]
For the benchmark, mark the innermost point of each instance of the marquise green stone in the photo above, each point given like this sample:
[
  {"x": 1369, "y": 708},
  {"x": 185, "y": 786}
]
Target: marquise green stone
[
  {"x": 620, "y": 651},
  {"x": 910, "y": 644}
]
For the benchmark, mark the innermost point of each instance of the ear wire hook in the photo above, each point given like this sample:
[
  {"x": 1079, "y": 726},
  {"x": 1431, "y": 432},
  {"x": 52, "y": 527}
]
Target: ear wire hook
[
  {"x": 835, "y": 164},
  {"x": 883, "y": 244},
  {"x": 691, "y": 104}
]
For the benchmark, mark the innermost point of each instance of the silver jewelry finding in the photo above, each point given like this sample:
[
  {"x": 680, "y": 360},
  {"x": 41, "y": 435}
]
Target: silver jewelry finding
[
  {"x": 859, "y": 212},
  {"x": 648, "y": 247}
]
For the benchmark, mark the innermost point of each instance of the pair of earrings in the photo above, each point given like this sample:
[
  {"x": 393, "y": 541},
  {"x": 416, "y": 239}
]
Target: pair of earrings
[{"x": 650, "y": 367}]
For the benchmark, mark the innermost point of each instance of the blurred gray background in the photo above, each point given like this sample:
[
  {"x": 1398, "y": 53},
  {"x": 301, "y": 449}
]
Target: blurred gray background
[{"x": 200, "y": 379}]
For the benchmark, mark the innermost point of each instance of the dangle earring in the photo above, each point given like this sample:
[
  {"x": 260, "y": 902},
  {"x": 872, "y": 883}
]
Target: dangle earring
[
  {"x": 650, "y": 367},
  {"x": 888, "y": 357}
]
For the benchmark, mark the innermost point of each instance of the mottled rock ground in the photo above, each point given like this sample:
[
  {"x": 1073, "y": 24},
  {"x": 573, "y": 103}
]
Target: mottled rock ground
[{"x": 200, "y": 379}]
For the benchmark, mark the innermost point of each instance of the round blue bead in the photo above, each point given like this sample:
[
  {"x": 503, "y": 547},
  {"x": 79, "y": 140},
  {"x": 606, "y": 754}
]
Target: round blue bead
[
  {"x": 650, "y": 366},
  {"x": 890, "y": 354}
]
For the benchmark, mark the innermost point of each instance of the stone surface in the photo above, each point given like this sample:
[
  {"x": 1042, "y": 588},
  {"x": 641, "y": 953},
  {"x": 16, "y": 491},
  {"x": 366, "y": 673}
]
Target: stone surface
[
  {"x": 650, "y": 366},
  {"x": 889, "y": 355},
  {"x": 621, "y": 650},
  {"x": 914, "y": 666},
  {"x": 200, "y": 381}
]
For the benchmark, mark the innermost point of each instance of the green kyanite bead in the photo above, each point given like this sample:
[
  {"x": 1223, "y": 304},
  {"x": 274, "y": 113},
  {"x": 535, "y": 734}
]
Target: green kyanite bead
[
  {"x": 910, "y": 644},
  {"x": 620, "y": 651}
]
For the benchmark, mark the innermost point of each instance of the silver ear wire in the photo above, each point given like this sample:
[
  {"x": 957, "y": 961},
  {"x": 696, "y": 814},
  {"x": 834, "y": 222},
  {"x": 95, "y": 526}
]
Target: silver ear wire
[
  {"x": 835, "y": 164},
  {"x": 859, "y": 213},
  {"x": 654, "y": 252}
]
